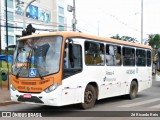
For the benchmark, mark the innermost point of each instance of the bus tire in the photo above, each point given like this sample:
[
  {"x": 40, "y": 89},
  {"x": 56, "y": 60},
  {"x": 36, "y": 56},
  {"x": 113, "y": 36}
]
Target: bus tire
[
  {"x": 89, "y": 97},
  {"x": 133, "y": 90}
]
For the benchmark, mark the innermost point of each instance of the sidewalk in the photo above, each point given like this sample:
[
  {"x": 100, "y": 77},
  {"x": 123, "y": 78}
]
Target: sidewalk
[{"x": 5, "y": 97}]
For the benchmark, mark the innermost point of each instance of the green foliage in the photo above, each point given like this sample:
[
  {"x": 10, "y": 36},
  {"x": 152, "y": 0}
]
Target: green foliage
[
  {"x": 116, "y": 37},
  {"x": 154, "y": 40},
  {"x": 125, "y": 38},
  {"x": 10, "y": 52}
]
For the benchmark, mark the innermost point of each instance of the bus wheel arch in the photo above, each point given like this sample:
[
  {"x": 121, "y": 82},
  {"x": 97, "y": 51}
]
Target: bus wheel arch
[
  {"x": 133, "y": 89},
  {"x": 90, "y": 95}
]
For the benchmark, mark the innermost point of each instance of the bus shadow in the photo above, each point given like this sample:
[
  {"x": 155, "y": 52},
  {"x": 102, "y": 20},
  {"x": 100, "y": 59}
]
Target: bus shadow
[
  {"x": 53, "y": 111},
  {"x": 118, "y": 99}
]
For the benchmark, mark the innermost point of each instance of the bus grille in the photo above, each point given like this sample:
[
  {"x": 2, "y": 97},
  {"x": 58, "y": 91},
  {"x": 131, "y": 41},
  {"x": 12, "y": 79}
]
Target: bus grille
[{"x": 32, "y": 99}]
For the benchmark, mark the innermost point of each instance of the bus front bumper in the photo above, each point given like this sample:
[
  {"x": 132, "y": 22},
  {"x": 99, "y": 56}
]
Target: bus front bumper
[{"x": 53, "y": 98}]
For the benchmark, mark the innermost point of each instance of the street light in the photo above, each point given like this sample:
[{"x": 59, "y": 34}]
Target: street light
[{"x": 24, "y": 16}]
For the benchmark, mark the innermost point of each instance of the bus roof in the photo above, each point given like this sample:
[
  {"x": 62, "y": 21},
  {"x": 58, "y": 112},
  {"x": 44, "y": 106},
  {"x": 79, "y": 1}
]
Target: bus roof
[{"x": 68, "y": 34}]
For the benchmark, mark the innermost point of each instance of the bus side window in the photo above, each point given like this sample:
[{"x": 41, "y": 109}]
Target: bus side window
[
  {"x": 128, "y": 56},
  {"x": 140, "y": 57},
  {"x": 94, "y": 53},
  {"x": 99, "y": 56},
  {"x": 110, "y": 57},
  {"x": 118, "y": 56},
  {"x": 149, "y": 58},
  {"x": 113, "y": 55}
]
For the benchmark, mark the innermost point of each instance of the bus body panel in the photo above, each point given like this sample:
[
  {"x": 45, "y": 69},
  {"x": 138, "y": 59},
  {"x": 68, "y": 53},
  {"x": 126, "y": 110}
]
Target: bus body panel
[
  {"x": 73, "y": 89},
  {"x": 110, "y": 80},
  {"x": 145, "y": 77}
]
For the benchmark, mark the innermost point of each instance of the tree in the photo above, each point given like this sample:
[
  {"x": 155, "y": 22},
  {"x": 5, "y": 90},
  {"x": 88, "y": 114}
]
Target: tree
[
  {"x": 125, "y": 38},
  {"x": 116, "y": 37},
  {"x": 129, "y": 39},
  {"x": 154, "y": 40}
]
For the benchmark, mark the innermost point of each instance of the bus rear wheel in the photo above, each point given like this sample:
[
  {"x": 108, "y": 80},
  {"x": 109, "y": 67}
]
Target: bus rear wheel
[
  {"x": 133, "y": 90},
  {"x": 89, "y": 97}
]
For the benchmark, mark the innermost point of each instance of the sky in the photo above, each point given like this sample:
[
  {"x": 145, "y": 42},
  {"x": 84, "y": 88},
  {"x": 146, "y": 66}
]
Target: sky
[{"x": 107, "y": 18}]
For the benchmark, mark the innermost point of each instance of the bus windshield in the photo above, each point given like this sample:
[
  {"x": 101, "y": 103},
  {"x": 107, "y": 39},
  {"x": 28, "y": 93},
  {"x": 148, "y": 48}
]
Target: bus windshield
[{"x": 37, "y": 57}]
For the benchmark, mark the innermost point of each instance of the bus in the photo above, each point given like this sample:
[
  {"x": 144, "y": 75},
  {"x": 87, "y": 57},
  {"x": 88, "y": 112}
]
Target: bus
[{"x": 63, "y": 68}]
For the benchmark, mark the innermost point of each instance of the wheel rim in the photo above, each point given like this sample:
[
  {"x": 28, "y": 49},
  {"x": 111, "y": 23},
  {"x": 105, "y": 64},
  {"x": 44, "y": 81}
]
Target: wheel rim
[{"x": 88, "y": 97}]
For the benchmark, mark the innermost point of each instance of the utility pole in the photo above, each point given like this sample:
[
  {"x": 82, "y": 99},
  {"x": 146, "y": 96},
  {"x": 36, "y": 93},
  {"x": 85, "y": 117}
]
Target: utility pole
[
  {"x": 6, "y": 4},
  {"x": 74, "y": 22},
  {"x": 141, "y": 21},
  {"x": 6, "y": 24},
  {"x": 73, "y": 9}
]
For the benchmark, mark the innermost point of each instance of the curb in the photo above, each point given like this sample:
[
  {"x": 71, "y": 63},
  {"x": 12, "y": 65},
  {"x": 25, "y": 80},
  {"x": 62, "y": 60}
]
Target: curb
[{"x": 8, "y": 103}]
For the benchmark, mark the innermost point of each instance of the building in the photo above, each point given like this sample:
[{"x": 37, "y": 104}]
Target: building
[{"x": 44, "y": 15}]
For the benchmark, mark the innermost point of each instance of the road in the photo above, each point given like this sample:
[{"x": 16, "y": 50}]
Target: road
[{"x": 146, "y": 103}]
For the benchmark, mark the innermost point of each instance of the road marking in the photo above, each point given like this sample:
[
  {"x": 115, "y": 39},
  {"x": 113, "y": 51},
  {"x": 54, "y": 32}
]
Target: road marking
[
  {"x": 141, "y": 103},
  {"x": 155, "y": 106}
]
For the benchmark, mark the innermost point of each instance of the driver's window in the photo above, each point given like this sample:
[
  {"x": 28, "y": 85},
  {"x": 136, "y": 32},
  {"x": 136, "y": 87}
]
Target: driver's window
[{"x": 72, "y": 55}]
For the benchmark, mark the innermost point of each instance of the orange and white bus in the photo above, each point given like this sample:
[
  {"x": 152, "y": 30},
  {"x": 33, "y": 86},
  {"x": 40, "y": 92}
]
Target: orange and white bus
[{"x": 62, "y": 68}]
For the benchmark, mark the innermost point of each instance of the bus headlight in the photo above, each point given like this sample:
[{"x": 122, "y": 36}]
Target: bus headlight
[
  {"x": 12, "y": 87},
  {"x": 52, "y": 87}
]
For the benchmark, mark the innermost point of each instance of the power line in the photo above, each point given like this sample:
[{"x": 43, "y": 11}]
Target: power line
[
  {"x": 36, "y": 28},
  {"x": 49, "y": 24},
  {"x": 65, "y": 26},
  {"x": 120, "y": 21}
]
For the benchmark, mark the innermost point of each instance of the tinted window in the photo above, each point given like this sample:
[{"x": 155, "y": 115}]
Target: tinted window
[
  {"x": 128, "y": 56},
  {"x": 149, "y": 58},
  {"x": 94, "y": 53},
  {"x": 140, "y": 57}
]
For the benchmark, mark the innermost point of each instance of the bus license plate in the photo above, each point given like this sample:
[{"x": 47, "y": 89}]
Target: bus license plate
[{"x": 27, "y": 96}]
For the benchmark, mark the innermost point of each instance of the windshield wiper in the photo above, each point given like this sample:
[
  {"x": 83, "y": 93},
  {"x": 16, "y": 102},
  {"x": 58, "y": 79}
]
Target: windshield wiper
[{"x": 40, "y": 76}]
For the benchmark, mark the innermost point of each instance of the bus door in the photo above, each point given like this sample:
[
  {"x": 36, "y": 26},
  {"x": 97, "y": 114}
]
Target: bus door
[{"x": 72, "y": 67}]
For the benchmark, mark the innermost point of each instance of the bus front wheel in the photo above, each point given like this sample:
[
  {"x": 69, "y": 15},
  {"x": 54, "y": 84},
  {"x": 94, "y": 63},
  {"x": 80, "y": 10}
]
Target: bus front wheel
[
  {"x": 133, "y": 90},
  {"x": 89, "y": 97}
]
